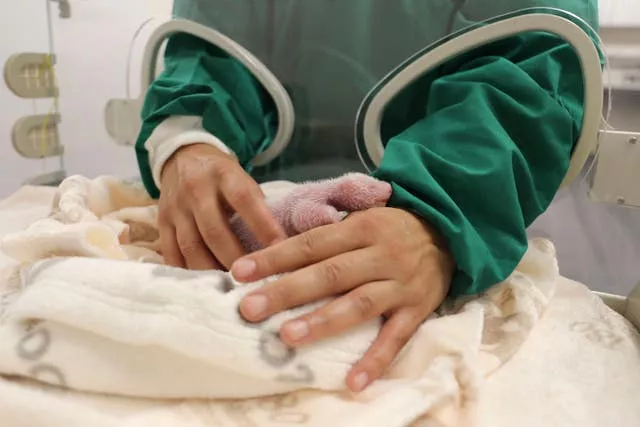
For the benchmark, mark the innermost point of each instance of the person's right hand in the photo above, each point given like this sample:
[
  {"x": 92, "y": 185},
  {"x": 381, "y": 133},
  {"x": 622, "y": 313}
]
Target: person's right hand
[{"x": 201, "y": 189}]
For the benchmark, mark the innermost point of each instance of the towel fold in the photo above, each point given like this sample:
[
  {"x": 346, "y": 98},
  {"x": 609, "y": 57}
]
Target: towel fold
[{"x": 81, "y": 312}]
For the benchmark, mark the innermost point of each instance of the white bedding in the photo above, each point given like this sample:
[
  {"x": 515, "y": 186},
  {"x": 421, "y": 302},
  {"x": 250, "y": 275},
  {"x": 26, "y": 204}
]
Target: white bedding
[{"x": 580, "y": 367}]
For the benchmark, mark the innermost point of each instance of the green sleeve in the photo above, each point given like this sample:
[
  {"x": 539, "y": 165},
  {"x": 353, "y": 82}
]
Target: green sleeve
[
  {"x": 201, "y": 80},
  {"x": 489, "y": 151}
]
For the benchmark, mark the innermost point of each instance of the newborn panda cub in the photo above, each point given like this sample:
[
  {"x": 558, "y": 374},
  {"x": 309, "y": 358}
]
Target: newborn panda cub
[{"x": 318, "y": 203}]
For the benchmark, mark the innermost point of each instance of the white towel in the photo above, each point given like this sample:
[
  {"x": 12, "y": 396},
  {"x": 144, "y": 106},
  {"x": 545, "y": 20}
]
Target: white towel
[
  {"x": 100, "y": 322},
  {"x": 580, "y": 367}
]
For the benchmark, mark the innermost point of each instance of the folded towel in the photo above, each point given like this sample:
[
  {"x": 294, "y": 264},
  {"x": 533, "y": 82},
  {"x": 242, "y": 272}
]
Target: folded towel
[
  {"x": 106, "y": 218},
  {"x": 80, "y": 313}
]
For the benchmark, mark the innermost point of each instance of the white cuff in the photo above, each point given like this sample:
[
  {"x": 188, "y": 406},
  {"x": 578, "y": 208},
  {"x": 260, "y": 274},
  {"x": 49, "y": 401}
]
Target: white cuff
[{"x": 173, "y": 134}]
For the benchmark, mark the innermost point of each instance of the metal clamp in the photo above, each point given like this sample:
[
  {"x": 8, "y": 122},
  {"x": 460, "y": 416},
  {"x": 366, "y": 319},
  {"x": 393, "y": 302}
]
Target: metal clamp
[{"x": 617, "y": 171}]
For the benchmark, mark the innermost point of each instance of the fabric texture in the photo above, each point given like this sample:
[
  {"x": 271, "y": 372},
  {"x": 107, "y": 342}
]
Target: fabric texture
[
  {"x": 93, "y": 340},
  {"x": 115, "y": 215},
  {"x": 504, "y": 122}
]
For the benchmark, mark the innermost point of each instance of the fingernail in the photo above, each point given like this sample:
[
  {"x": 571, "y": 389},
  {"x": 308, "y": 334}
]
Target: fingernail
[
  {"x": 254, "y": 306},
  {"x": 243, "y": 268},
  {"x": 360, "y": 381},
  {"x": 297, "y": 330}
]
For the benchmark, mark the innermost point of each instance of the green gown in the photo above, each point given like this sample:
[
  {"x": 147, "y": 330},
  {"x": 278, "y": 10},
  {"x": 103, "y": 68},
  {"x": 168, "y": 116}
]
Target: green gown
[{"x": 477, "y": 147}]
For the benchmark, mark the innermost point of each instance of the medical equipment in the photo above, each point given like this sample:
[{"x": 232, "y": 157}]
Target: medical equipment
[
  {"x": 629, "y": 306},
  {"x": 632, "y": 307},
  {"x": 119, "y": 112},
  {"x": 612, "y": 151},
  {"x": 624, "y": 69},
  {"x": 32, "y": 76},
  {"x": 368, "y": 122},
  {"x": 64, "y": 8},
  {"x": 617, "y": 153}
]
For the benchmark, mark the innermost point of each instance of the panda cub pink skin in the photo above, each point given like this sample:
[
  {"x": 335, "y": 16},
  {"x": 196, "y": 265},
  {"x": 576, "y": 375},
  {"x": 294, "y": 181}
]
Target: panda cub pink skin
[{"x": 314, "y": 204}]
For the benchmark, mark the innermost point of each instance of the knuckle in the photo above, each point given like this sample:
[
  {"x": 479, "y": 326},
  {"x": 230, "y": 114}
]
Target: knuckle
[
  {"x": 270, "y": 233},
  {"x": 266, "y": 262},
  {"x": 307, "y": 245},
  {"x": 380, "y": 359},
  {"x": 225, "y": 172},
  {"x": 281, "y": 296},
  {"x": 331, "y": 275},
  {"x": 395, "y": 253},
  {"x": 188, "y": 247},
  {"x": 164, "y": 215},
  {"x": 368, "y": 224},
  {"x": 194, "y": 182},
  {"x": 415, "y": 294},
  {"x": 323, "y": 324},
  {"x": 190, "y": 193},
  {"x": 191, "y": 183},
  {"x": 240, "y": 196},
  {"x": 364, "y": 304},
  {"x": 212, "y": 232}
]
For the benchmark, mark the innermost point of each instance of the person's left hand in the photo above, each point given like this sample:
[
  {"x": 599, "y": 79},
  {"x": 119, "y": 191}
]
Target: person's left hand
[{"x": 379, "y": 262}]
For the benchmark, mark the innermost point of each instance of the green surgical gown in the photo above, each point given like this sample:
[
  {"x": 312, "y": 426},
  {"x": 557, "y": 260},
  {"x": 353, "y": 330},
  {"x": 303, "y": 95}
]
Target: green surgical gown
[{"x": 477, "y": 147}]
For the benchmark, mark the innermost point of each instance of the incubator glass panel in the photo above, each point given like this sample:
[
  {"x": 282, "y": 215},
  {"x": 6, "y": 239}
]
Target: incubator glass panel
[
  {"x": 598, "y": 243},
  {"x": 329, "y": 55}
]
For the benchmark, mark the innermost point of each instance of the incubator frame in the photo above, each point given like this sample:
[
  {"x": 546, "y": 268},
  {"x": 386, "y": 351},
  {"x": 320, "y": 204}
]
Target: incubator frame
[
  {"x": 629, "y": 306},
  {"x": 123, "y": 122},
  {"x": 370, "y": 115},
  {"x": 284, "y": 106},
  {"x": 372, "y": 110}
]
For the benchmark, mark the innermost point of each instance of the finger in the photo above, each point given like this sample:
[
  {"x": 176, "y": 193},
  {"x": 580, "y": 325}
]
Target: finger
[
  {"x": 297, "y": 252},
  {"x": 245, "y": 197},
  {"x": 330, "y": 277},
  {"x": 169, "y": 246},
  {"x": 214, "y": 229},
  {"x": 393, "y": 336},
  {"x": 195, "y": 252},
  {"x": 359, "y": 306}
]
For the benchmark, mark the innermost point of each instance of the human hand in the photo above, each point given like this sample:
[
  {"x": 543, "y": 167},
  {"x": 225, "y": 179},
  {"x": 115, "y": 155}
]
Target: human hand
[
  {"x": 382, "y": 261},
  {"x": 315, "y": 204},
  {"x": 201, "y": 188}
]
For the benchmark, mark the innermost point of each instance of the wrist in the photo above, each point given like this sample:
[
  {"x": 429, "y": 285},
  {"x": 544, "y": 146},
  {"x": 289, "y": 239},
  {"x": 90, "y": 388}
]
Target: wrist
[
  {"x": 439, "y": 241},
  {"x": 175, "y": 134},
  {"x": 197, "y": 150}
]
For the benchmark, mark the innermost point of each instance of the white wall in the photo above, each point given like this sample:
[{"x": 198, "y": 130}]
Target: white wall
[
  {"x": 619, "y": 13},
  {"x": 16, "y": 34},
  {"x": 91, "y": 49}
]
